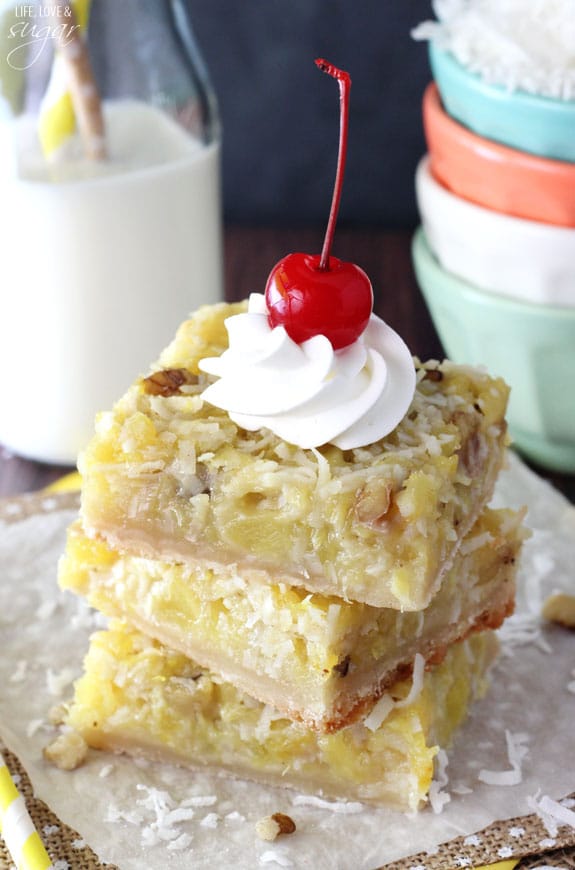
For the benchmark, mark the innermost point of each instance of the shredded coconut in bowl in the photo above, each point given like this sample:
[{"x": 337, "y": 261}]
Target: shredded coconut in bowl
[{"x": 527, "y": 45}]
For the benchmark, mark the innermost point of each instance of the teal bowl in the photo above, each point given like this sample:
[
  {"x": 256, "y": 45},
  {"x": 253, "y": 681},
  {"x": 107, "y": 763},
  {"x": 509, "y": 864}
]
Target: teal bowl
[
  {"x": 531, "y": 346},
  {"x": 538, "y": 125}
]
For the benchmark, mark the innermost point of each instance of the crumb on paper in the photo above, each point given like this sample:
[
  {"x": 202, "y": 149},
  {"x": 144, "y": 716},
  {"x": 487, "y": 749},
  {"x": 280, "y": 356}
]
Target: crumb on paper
[
  {"x": 20, "y": 671},
  {"x": 210, "y": 821},
  {"x": 46, "y": 610},
  {"x": 57, "y": 682},
  {"x": 461, "y": 789},
  {"x": 57, "y": 714},
  {"x": 34, "y": 726},
  {"x": 270, "y": 827},
  {"x": 67, "y": 752},
  {"x": 560, "y": 609},
  {"x": 180, "y": 843}
]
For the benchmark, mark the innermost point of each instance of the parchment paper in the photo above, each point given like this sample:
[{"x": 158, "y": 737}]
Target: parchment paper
[{"x": 117, "y": 805}]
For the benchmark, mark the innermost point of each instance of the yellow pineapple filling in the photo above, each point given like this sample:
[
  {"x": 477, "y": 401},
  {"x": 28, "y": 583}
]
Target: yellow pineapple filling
[
  {"x": 317, "y": 658},
  {"x": 140, "y": 697},
  {"x": 168, "y": 475}
]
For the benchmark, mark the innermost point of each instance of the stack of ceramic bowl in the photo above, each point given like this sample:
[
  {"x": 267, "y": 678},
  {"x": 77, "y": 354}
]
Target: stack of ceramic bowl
[{"x": 495, "y": 257}]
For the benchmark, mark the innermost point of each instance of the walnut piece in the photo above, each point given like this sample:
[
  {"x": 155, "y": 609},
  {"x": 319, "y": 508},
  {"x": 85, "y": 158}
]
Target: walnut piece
[
  {"x": 271, "y": 827},
  {"x": 57, "y": 714},
  {"x": 434, "y": 375},
  {"x": 560, "y": 608},
  {"x": 342, "y": 666},
  {"x": 67, "y": 752},
  {"x": 473, "y": 451},
  {"x": 167, "y": 382},
  {"x": 374, "y": 502}
]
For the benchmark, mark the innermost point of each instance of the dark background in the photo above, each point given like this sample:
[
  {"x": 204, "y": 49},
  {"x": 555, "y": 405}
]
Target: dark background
[{"x": 280, "y": 115}]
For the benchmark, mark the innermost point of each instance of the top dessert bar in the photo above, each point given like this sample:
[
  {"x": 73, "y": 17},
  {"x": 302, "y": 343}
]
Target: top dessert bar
[{"x": 167, "y": 475}]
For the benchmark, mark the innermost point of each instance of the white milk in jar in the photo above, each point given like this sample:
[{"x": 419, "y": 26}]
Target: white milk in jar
[{"x": 99, "y": 263}]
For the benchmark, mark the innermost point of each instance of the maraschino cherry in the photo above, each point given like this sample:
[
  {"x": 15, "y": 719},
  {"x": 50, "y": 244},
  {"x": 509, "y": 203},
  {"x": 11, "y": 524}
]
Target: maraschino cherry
[{"x": 313, "y": 294}]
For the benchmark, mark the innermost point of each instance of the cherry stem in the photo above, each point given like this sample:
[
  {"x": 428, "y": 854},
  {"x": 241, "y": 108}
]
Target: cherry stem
[{"x": 344, "y": 82}]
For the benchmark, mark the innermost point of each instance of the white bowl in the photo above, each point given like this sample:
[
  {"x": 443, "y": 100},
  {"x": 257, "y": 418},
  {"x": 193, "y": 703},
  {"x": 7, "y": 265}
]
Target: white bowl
[{"x": 520, "y": 258}]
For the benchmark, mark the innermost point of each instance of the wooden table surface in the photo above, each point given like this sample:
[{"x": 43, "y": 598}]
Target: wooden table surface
[{"x": 250, "y": 252}]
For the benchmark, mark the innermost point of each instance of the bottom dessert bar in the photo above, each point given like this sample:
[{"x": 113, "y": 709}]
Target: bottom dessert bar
[{"x": 146, "y": 700}]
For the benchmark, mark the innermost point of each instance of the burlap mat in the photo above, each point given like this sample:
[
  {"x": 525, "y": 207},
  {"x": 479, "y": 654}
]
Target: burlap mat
[{"x": 524, "y": 837}]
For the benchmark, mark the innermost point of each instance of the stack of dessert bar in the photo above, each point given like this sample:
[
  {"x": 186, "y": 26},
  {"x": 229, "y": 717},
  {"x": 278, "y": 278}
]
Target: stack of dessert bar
[{"x": 319, "y": 619}]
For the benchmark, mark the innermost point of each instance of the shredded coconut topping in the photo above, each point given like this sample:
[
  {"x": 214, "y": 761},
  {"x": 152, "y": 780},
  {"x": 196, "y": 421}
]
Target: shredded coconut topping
[{"x": 524, "y": 44}]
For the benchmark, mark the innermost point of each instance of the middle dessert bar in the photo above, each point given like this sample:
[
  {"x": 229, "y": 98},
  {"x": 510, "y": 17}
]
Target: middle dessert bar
[{"x": 318, "y": 659}]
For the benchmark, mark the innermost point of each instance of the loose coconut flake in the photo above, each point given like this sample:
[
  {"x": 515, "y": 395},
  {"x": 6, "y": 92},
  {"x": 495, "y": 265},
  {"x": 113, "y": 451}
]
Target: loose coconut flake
[
  {"x": 275, "y": 856},
  {"x": 521, "y": 629},
  {"x": 311, "y": 800},
  {"x": 437, "y": 796},
  {"x": 386, "y": 703},
  {"x": 516, "y": 752},
  {"x": 552, "y": 813}
]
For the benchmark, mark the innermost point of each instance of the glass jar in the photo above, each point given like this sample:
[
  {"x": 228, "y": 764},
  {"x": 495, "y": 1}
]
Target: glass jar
[{"x": 100, "y": 259}]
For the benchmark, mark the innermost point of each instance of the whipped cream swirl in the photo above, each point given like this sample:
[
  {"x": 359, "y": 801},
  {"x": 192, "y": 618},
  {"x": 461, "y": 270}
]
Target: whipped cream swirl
[{"x": 310, "y": 394}]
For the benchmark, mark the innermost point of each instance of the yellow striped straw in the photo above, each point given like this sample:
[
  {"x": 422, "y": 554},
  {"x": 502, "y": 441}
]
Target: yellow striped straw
[
  {"x": 17, "y": 828},
  {"x": 57, "y": 121}
]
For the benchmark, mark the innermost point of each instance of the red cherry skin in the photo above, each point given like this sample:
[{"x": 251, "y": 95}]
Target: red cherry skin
[{"x": 336, "y": 302}]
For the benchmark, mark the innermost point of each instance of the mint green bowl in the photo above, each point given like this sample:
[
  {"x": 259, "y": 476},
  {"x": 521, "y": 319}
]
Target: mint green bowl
[{"x": 531, "y": 346}]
